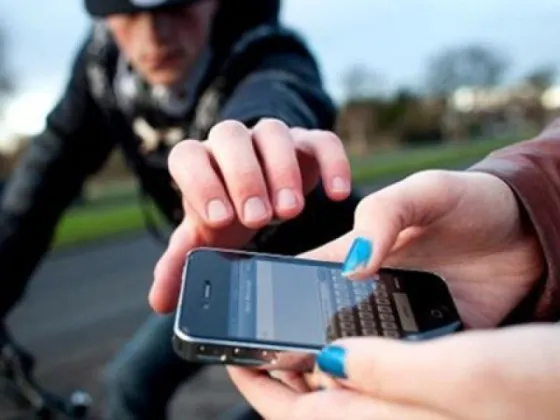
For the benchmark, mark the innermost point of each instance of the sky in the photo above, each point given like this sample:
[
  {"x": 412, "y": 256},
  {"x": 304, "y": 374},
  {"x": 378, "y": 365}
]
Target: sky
[{"x": 393, "y": 38}]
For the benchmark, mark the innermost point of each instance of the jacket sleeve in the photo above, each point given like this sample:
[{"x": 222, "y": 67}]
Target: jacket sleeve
[
  {"x": 48, "y": 178},
  {"x": 281, "y": 79},
  {"x": 532, "y": 170},
  {"x": 286, "y": 84}
]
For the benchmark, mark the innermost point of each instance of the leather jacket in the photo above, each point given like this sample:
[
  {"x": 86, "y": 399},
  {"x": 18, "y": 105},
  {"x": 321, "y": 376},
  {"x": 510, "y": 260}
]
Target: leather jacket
[{"x": 532, "y": 169}]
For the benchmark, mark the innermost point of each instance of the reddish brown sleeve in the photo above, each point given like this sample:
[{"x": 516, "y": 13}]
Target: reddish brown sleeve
[{"x": 532, "y": 170}]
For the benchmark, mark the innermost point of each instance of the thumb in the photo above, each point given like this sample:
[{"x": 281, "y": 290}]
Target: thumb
[
  {"x": 167, "y": 273},
  {"x": 447, "y": 371},
  {"x": 372, "y": 365},
  {"x": 382, "y": 218}
]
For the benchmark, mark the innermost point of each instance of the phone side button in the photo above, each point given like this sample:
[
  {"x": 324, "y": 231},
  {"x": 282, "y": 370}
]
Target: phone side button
[
  {"x": 267, "y": 356},
  {"x": 210, "y": 359},
  {"x": 246, "y": 362}
]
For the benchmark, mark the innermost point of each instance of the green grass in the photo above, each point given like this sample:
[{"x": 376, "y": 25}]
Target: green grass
[
  {"x": 407, "y": 162},
  {"x": 88, "y": 224},
  {"x": 85, "y": 225}
]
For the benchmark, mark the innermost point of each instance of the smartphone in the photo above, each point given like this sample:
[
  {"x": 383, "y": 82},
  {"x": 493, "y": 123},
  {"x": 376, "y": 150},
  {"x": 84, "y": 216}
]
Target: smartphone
[{"x": 277, "y": 312}]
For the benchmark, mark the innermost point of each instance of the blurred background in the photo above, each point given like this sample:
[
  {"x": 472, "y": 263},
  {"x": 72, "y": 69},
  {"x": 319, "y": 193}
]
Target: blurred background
[{"x": 419, "y": 84}]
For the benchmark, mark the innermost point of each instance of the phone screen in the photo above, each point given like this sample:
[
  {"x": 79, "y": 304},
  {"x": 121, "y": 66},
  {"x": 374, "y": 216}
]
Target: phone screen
[
  {"x": 279, "y": 301},
  {"x": 304, "y": 303}
]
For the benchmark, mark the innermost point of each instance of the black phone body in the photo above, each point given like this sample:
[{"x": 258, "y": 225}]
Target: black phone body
[{"x": 277, "y": 312}]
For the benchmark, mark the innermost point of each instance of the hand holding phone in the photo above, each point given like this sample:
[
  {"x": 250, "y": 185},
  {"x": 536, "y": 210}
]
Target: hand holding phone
[{"x": 277, "y": 312}]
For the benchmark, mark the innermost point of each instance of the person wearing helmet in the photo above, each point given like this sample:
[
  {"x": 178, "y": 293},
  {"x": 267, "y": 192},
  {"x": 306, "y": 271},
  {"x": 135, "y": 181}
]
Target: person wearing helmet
[{"x": 161, "y": 76}]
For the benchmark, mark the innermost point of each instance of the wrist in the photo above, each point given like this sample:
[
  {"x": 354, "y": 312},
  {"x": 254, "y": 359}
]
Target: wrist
[
  {"x": 526, "y": 249},
  {"x": 532, "y": 248}
]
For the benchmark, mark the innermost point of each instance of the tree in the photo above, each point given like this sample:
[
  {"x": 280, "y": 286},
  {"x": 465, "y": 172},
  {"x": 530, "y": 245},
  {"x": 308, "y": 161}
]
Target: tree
[
  {"x": 359, "y": 82},
  {"x": 542, "y": 78},
  {"x": 474, "y": 66}
]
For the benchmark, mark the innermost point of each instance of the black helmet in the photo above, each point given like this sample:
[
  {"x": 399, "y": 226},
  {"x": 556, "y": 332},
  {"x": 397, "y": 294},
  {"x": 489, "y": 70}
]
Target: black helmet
[{"x": 102, "y": 8}]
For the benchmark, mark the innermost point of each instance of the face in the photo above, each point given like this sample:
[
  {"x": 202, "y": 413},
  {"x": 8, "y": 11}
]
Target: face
[{"x": 163, "y": 45}]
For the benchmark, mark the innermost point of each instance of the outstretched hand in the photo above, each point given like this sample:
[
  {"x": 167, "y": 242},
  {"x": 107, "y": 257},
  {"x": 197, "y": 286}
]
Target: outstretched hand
[
  {"x": 467, "y": 227},
  {"x": 237, "y": 181}
]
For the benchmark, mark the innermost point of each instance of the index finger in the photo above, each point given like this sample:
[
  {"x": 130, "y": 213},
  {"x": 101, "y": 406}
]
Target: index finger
[{"x": 269, "y": 397}]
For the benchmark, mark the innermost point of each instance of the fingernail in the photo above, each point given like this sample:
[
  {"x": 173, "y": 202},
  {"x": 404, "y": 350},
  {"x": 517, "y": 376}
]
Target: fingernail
[
  {"x": 217, "y": 211},
  {"x": 339, "y": 184},
  {"x": 287, "y": 199},
  {"x": 331, "y": 360},
  {"x": 358, "y": 256},
  {"x": 254, "y": 209}
]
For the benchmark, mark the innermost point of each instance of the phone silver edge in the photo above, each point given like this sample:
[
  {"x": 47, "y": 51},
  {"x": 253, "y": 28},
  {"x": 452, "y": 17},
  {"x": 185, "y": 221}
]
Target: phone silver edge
[
  {"x": 265, "y": 356},
  {"x": 262, "y": 356}
]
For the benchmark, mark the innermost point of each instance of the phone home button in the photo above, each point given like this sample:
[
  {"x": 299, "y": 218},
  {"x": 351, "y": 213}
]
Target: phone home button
[{"x": 436, "y": 313}]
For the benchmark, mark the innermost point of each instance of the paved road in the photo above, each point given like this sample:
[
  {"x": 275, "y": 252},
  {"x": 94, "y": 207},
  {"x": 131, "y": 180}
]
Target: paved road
[{"x": 82, "y": 307}]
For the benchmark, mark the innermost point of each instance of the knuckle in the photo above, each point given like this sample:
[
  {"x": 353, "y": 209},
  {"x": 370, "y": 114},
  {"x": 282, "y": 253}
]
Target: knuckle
[
  {"x": 198, "y": 187},
  {"x": 330, "y": 147},
  {"x": 438, "y": 178},
  {"x": 328, "y": 137},
  {"x": 382, "y": 207},
  {"x": 440, "y": 185},
  {"x": 226, "y": 129},
  {"x": 366, "y": 206},
  {"x": 270, "y": 125},
  {"x": 285, "y": 175},
  {"x": 247, "y": 182},
  {"x": 181, "y": 152}
]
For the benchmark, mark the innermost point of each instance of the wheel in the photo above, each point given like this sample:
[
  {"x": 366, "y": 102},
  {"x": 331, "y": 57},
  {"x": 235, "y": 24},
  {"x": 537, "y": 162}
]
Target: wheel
[{"x": 80, "y": 403}]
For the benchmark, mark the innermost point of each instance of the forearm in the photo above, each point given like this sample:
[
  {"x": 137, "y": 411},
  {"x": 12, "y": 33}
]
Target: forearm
[
  {"x": 33, "y": 202},
  {"x": 532, "y": 170},
  {"x": 282, "y": 80},
  {"x": 21, "y": 249},
  {"x": 48, "y": 179},
  {"x": 283, "y": 97}
]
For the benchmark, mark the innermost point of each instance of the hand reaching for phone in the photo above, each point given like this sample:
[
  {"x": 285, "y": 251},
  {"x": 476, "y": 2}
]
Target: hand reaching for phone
[
  {"x": 511, "y": 373},
  {"x": 237, "y": 181},
  {"x": 466, "y": 226}
]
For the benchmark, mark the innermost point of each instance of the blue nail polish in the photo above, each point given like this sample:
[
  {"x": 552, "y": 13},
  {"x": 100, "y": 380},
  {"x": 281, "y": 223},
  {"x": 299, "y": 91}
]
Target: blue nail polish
[
  {"x": 358, "y": 256},
  {"x": 331, "y": 361}
]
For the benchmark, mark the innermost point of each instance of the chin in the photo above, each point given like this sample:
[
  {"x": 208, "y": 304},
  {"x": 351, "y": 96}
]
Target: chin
[{"x": 164, "y": 77}]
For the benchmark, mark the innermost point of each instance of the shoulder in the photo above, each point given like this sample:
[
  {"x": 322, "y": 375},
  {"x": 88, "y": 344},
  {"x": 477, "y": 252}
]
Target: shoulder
[
  {"x": 266, "y": 46},
  {"x": 269, "y": 39},
  {"x": 96, "y": 59}
]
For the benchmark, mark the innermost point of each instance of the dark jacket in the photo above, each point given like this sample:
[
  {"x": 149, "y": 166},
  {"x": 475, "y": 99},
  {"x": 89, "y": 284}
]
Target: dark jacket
[{"x": 259, "y": 70}]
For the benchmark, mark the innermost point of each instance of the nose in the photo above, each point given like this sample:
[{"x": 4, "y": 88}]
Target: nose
[{"x": 160, "y": 27}]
